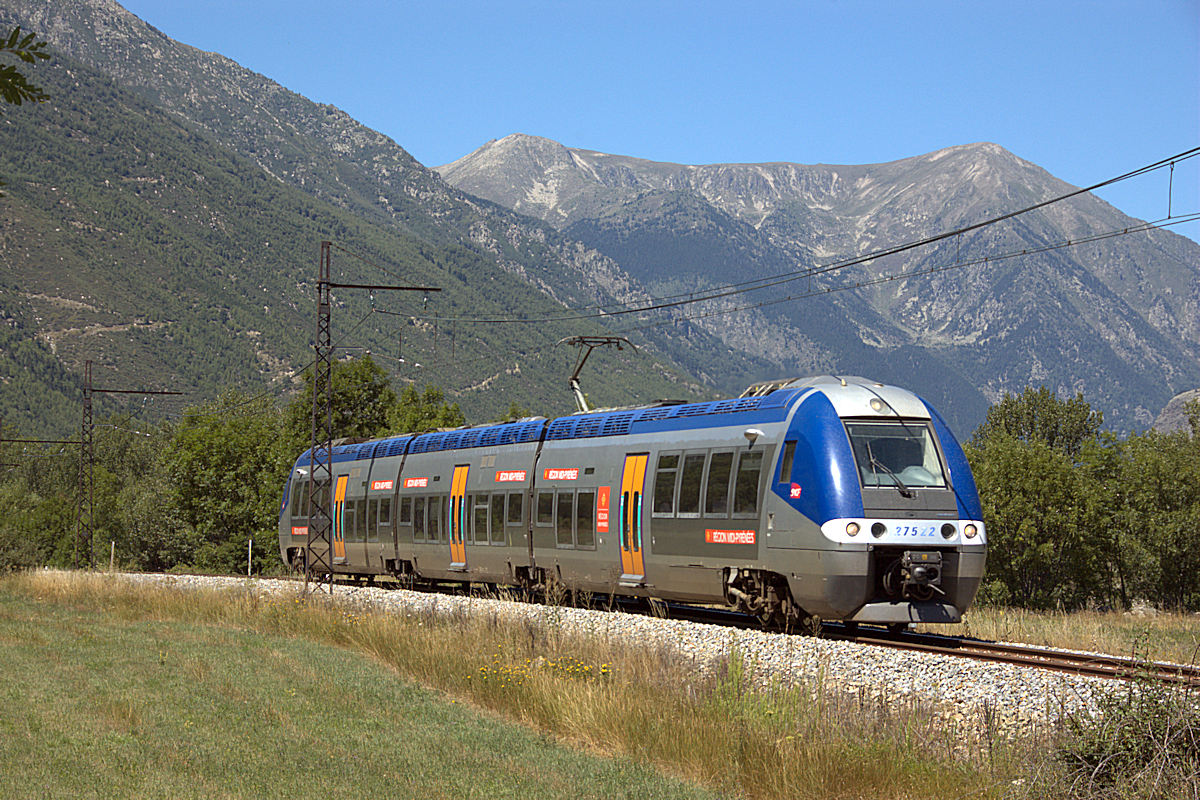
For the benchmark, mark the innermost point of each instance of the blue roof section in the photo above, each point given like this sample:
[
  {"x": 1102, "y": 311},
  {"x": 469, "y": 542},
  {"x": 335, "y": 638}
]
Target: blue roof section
[
  {"x": 665, "y": 418},
  {"x": 507, "y": 433},
  {"x": 685, "y": 416}
]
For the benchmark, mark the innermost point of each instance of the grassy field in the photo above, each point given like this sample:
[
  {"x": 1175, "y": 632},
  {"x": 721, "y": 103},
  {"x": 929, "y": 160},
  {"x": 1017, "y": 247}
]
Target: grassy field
[
  {"x": 101, "y": 699},
  {"x": 119, "y": 690},
  {"x": 263, "y": 690},
  {"x": 1157, "y": 637}
]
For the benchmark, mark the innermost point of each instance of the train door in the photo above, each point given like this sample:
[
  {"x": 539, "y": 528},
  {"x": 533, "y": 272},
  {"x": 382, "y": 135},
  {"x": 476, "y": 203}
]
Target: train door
[
  {"x": 458, "y": 518},
  {"x": 629, "y": 518},
  {"x": 339, "y": 527}
]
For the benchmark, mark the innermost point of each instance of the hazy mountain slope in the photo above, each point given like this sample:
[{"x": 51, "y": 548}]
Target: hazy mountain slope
[
  {"x": 131, "y": 238},
  {"x": 1118, "y": 319},
  {"x": 164, "y": 216}
]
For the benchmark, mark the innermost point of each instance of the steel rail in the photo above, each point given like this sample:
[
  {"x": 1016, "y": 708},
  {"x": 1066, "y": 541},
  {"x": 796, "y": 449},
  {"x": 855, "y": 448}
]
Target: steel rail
[{"x": 1077, "y": 663}]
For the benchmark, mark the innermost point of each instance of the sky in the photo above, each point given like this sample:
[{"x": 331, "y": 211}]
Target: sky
[{"x": 1087, "y": 90}]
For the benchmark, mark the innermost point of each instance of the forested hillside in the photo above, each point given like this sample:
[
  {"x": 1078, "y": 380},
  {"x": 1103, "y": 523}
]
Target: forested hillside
[{"x": 132, "y": 238}]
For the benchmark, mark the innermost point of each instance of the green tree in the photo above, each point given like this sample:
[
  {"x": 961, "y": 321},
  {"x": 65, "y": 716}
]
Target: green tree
[
  {"x": 226, "y": 464},
  {"x": 423, "y": 411},
  {"x": 362, "y": 399},
  {"x": 1047, "y": 545},
  {"x": 1040, "y": 550},
  {"x": 515, "y": 412},
  {"x": 1162, "y": 480},
  {"x": 131, "y": 485},
  {"x": 1040, "y": 415},
  {"x": 14, "y": 87}
]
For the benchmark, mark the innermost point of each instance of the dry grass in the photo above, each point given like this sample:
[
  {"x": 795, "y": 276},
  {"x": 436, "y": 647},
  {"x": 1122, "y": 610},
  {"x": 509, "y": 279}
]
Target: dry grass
[
  {"x": 1155, "y": 637},
  {"x": 647, "y": 704}
]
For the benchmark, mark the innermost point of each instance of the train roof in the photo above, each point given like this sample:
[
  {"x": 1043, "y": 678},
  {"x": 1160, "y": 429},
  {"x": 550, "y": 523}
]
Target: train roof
[{"x": 761, "y": 403}]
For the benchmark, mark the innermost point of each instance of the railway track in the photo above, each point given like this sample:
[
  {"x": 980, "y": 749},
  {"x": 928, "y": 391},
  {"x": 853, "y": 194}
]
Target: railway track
[
  {"x": 1076, "y": 663},
  {"x": 1091, "y": 664}
]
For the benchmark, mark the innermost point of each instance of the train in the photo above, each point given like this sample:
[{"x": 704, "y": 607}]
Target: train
[{"x": 802, "y": 500}]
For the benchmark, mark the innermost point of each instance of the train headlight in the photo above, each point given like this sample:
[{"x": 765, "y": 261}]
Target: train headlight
[
  {"x": 878, "y": 529},
  {"x": 948, "y": 531},
  {"x": 852, "y": 529},
  {"x": 971, "y": 531}
]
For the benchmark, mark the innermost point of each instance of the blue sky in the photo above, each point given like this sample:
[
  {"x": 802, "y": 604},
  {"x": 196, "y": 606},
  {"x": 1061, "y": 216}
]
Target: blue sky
[{"x": 1087, "y": 90}]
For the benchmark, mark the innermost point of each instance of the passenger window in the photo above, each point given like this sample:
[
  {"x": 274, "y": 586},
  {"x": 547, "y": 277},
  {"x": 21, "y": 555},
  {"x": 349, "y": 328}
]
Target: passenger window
[
  {"x": 716, "y": 496},
  {"x": 515, "y": 503},
  {"x": 664, "y": 485},
  {"x": 585, "y": 520},
  {"x": 406, "y": 506},
  {"x": 745, "y": 487},
  {"x": 373, "y": 520},
  {"x": 385, "y": 512},
  {"x": 545, "y": 508},
  {"x": 300, "y": 498},
  {"x": 497, "y": 519},
  {"x": 565, "y": 519},
  {"x": 689, "y": 485},
  {"x": 322, "y": 497},
  {"x": 349, "y": 522},
  {"x": 481, "y": 519},
  {"x": 419, "y": 518},
  {"x": 435, "y": 519},
  {"x": 785, "y": 463}
]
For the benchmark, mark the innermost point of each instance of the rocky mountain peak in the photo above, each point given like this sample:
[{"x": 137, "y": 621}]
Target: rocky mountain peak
[{"x": 1076, "y": 319}]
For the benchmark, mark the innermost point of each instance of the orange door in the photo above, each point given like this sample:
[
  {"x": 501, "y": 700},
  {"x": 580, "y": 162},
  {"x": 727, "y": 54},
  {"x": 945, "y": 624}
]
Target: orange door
[
  {"x": 629, "y": 517},
  {"x": 458, "y": 518},
  {"x": 339, "y": 510}
]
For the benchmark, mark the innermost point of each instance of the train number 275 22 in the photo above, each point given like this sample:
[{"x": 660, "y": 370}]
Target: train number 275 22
[{"x": 915, "y": 530}]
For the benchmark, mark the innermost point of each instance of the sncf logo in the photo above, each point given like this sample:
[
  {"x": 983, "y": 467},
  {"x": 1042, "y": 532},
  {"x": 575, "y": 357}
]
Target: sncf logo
[{"x": 795, "y": 491}]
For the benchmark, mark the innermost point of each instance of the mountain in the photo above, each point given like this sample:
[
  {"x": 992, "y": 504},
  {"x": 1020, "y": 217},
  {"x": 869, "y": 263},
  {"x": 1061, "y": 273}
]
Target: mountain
[
  {"x": 1118, "y": 319},
  {"x": 163, "y": 215},
  {"x": 164, "y": 209},
  {"x": 1174, "y": 417}
]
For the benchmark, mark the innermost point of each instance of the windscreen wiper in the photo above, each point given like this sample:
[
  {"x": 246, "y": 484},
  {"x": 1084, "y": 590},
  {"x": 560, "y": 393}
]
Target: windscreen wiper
[{"x": 874, "y": 462}]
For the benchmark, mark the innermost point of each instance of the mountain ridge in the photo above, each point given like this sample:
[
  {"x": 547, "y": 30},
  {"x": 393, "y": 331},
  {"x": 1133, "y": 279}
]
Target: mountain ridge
[{"x": 1130, "y": 323}]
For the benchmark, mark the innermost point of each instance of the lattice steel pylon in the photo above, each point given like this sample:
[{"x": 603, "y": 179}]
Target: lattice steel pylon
[
  {"x": 318, "y": 552},
  {"x": 87, "y": 463},
  {"x": 83, "y": 519},
  {"x": 322, "y": 502}
]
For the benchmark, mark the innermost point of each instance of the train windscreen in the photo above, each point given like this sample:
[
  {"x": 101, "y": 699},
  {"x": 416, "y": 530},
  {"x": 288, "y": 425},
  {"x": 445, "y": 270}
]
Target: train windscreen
[{"x": 900, "y": 454}]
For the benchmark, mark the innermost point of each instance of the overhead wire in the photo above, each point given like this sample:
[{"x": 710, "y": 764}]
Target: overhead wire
[{"x": 1156, "y": 225}]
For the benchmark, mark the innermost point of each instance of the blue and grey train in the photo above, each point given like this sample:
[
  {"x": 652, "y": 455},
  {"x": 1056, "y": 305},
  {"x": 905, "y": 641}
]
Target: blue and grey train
[{"x": 828, "y": 497}]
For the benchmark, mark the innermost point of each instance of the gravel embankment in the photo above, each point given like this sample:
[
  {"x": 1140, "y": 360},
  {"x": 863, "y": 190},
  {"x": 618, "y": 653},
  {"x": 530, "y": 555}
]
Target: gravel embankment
[{"x": 1013, "y": 697}]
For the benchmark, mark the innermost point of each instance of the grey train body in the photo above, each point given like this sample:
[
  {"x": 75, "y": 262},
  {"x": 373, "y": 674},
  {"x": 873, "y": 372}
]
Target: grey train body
[{"x": 834, "y": 498}]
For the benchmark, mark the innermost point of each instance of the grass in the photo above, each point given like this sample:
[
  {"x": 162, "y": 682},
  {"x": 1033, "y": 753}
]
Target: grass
[
  {"x": 109, "y": 693},
  {"x": 1159, "y": 637},
  {"x": 264, "y": 689}
]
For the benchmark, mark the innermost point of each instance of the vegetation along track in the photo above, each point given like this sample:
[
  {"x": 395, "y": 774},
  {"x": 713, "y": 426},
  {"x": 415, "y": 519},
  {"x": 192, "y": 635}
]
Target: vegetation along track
[{"x": 1097, "y": 665}]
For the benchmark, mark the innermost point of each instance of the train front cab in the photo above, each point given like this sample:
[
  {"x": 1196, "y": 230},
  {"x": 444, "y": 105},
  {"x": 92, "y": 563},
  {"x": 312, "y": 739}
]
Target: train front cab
[{"x": 879, "y": 509}]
